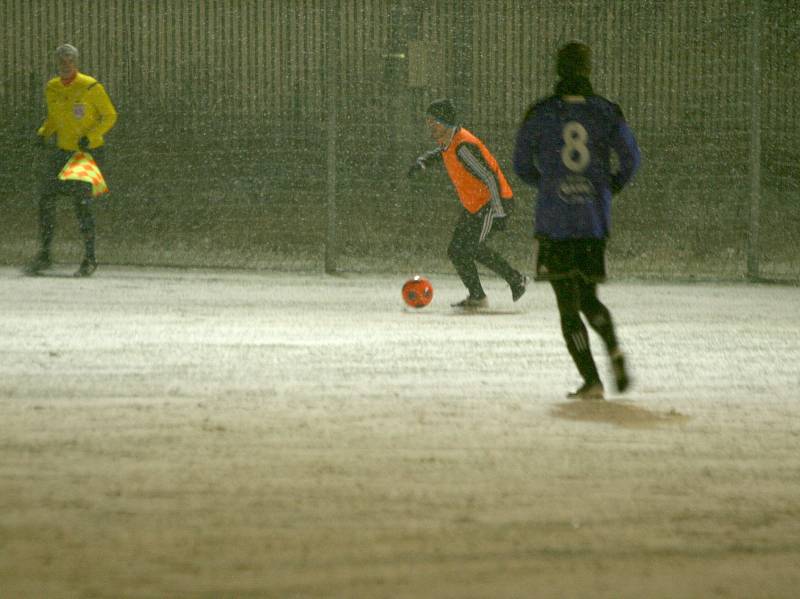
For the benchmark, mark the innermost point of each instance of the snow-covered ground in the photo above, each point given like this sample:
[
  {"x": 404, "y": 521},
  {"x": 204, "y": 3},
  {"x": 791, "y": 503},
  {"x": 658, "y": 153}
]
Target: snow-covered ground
[{"x": 172, "y": 433}]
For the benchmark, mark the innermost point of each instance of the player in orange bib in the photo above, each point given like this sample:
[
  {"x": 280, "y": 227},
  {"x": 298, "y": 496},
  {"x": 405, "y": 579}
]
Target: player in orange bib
[
  {"x": 79, "y": 114},
  {"x": 486, "y": 199}
]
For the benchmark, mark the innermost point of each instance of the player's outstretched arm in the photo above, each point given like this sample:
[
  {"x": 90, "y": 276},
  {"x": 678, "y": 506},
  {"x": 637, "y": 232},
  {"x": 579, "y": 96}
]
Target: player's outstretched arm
[{"x": 425, "y": 160}]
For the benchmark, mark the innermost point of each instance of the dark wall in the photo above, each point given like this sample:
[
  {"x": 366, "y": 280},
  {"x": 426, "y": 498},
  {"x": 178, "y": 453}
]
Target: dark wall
[{"x": 220, "y": 156}]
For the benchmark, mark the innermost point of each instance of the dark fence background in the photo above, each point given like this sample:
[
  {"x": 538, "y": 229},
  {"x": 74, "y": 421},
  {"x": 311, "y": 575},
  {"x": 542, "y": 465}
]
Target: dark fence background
[{"x": 276, "y": 134}]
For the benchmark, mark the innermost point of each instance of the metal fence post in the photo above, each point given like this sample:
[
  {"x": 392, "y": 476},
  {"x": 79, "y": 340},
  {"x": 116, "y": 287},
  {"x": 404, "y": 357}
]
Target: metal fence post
[
  {"x": 753, "y": 266},
  {"x": 331, "y": 78},
  {"x": 463, "y": 66}
]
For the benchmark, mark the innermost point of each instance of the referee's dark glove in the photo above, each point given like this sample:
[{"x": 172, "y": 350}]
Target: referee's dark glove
[{"x": 83, "y": 144}]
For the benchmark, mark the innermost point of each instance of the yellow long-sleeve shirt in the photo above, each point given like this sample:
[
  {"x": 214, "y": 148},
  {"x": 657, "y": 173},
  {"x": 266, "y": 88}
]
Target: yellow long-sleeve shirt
[{"x": 80, "y": 109}]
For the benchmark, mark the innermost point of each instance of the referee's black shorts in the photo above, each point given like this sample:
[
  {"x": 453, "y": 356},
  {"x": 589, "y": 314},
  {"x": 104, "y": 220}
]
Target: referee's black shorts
[
  {"x": 566, "y": 258},
  {"x": 50, "y": 184}
]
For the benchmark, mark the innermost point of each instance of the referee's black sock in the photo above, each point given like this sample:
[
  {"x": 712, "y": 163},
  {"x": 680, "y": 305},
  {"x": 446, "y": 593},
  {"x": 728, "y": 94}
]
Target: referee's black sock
[
  {"x": 47, "y": 223},
  {"x": 86, "y": 222}
]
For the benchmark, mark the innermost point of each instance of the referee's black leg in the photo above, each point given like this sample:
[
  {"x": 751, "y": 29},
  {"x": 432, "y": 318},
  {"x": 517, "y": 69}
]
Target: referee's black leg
[
  {"x": 49, "y": 189},
  {"x": 47, "y": 221},
  {"x": 86, "y": 222}
]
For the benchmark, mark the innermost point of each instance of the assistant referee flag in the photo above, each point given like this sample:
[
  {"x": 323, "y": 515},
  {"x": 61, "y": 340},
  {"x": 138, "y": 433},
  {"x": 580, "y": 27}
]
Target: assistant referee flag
[{"x": 82, "y": 167}]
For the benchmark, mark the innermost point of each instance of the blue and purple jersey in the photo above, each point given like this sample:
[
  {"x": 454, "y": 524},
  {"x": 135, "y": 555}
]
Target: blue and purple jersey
[{"x": 565, "y": 147}]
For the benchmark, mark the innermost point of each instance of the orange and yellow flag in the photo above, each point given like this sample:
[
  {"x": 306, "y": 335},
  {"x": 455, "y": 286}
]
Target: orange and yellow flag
[{"x": 82, "y": 167}]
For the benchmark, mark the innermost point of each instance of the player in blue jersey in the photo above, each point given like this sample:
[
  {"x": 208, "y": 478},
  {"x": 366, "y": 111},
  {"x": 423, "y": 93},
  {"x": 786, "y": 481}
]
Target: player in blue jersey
[{"x": 564, "y": 148}]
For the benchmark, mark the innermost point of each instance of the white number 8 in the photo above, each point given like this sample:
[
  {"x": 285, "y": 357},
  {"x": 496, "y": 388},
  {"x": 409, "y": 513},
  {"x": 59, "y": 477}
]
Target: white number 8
[{"x": 575, "y": 154}]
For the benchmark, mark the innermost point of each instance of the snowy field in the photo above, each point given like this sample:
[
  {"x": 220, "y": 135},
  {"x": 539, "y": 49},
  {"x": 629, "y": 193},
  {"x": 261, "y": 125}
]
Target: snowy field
[{"x": 220, "y": 434}]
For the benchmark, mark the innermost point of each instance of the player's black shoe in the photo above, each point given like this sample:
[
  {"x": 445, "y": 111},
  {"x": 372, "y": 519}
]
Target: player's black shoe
[
  {"x": 588, "y": 391},
  {"x": 87, "y": 268},
  {"x": 38, "y": 264},
  {"x": 620, "y": 372},
  {"x": 518, "y": 290}
]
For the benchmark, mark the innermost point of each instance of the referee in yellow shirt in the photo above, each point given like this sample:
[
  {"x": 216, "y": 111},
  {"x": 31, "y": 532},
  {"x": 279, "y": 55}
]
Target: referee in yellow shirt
[{"x": 79, "y": 113}]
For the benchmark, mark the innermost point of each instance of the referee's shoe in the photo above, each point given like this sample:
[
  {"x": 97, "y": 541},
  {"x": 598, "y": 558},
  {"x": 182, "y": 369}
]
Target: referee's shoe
[
  {"x": 87, "y": 268},
  {"x": 41, "y": 262}
]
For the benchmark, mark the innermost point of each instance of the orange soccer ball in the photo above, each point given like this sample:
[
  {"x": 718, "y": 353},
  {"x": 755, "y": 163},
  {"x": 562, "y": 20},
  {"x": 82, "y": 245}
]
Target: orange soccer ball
[{"x": 417, "y": 292}]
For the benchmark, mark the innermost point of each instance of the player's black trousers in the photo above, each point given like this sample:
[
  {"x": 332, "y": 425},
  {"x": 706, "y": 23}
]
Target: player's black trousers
[
  {"x": 574, "y": 296},
  {"x": 79, "y": 192},
  {"x": 468, "y": 246}
]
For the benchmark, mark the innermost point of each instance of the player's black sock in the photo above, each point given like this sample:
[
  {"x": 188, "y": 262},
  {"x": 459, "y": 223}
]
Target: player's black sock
[
  {"x": 602, "y": 323},
  {"x": 577, "y": 338},
  {"x": 598, "y": 316},
  {"x": 574, "y": 331}
]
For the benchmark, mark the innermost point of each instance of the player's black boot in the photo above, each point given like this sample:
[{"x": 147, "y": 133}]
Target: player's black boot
[
  {"x": 588, "y": 391},
  {"x": 518, "y": 290},
  {"x": 620, "y": 372}
]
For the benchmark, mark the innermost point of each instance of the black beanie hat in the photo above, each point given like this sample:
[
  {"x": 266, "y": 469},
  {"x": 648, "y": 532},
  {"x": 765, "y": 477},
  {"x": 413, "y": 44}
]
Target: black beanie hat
[
  {"x": 443, "y": 111},
  {"x": 574, "y": 60}
]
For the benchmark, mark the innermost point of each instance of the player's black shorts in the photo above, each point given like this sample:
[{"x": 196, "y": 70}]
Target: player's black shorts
[{"x": 561, "y": 259}]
